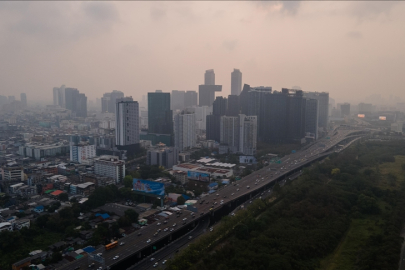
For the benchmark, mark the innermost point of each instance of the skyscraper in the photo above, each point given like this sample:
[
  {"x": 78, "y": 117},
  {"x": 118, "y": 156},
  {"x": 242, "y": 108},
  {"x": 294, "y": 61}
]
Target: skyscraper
[
  {"x": 323, "y": 105},
  {"x": 127, "y": 122},
  {"x": 345, "y": 109},
  {"x": 206, "y": 94},
  {"x": 76, "y": 102},
  {"x": 311, "y": 118},
  {"x": 185, "y": 135},
  {"x": 23, "y": 98},
  {"x": 55, "y": 96},
  {"x": 109, "y": 100},
  {"x": 220, "y": 105},
  {"x": 190, "y": 99},
  {"x": 177, "y": 100},
  {"x": 236, "y": 82},
  {"x": 160, "y": 117},
  {"x": 238, "y": 134},
  {"x": 209, "y": 77},
  {"x": 296, "y": 115},
  {"x": 11, "y": 99},
  {"x": 233, "y": 105}
]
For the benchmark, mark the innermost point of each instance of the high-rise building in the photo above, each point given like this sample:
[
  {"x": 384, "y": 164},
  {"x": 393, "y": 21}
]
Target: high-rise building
[
  {"x": 201, "y": 113},
  {"x": 162, "y": 156},
  {"x": 206, "y": 94},
  {"x": 23, "y": 98},
  {"x": 345, "y": 109},
  {"x": 177, "y": 100},
  {"x": 185, "y": 135},
  {"x": 190, "y": 99},
  {"x": 55, "y": 96},
  {"x": 296, "y": 115},
  {"x": 229, "y": 133},
  {"x": 220, "y": 106},
  {"x": 160, "y": 117},
  {"x": 365, "y": 108},
  {"x": 236, "y": 82},
  {"x": 76, "y": 102},
  {"x": 213, "y": 127},
  {"x": 3, "y": 100},
  {"x": 127, "y": 122},
  {"x": 109, "y": 99},
  {"x": 323, "y": 105},
  {"x": 248, "y": 134},
  {"x": 311, "y": 118},
  {"x": 233, "y": 105},
  {"x": 238, "y": 134},
  {"x": 11, "y": 99},
  {"x": 209, "y": 77},
  {"x": 62, "y": 96},
  {"x": 82, "y": 152},
  {"x": 213, "y": 121},
  {"x": 110, "y": 166}
]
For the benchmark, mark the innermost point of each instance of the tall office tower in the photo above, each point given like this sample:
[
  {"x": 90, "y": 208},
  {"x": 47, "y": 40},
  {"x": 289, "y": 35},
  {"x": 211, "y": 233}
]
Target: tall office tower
[
  {"x": 213, "y": 121},
  {"x": 233, "y": 105},
  {"x": 236, "y": 82},
  {"x": 248, "y": 134},
  {"x": 220, "y": 105},
  {"x": 3, "y": 100},
  {"x": 127, "y": 122},
  {"x": 160, "y": 117},
  {"x": 345, "y": 109},
  {"x": 190, "y": 99},
  {"x": 206, "y": 94},
  {"x": 243, "y": 99},
  {"x": 274, "y": 111},
  {"x": 213, "y": 130},
  {"x": 162, "y": 156},
  {"x": 185, "y": 135},
  {"x": 229, "y": 133},
  {"x": 323, "y": 104},
  {"x": 311, "y": 118},
  {"x": 295, "y": 115},
  {"x": 209, "y": 77},
  {"x": 238, "y": 134},
  {"x": 109, "y": 99},
  {"x": 201, "y": 113},
  {"x": 76, "y": 102},
  {"x": 55, "y": 96},
  {"x": 23, "y": 98},
  {"x": 98, "y": 103},
  {"x": 177, "y": 100},
  {"x": 11, "y": 99}
]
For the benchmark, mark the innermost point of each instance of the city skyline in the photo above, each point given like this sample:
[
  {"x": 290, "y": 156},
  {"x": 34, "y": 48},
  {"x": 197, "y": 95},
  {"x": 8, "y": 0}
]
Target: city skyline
[{"x": 349, "y": 47}]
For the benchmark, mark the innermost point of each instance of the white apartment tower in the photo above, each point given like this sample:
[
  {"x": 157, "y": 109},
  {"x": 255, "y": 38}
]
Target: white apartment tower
[
  {"x": 184, "y": 131},
  {"x": 127, "y": 122}
]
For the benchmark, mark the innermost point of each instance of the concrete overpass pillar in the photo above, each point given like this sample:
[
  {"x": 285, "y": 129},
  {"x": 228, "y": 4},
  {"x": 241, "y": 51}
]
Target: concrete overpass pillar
[{"x": 139, "y": 255}]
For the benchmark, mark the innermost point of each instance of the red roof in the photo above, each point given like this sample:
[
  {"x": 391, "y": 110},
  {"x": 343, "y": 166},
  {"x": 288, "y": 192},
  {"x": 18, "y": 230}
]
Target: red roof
[{"x": 56, "y": 192}]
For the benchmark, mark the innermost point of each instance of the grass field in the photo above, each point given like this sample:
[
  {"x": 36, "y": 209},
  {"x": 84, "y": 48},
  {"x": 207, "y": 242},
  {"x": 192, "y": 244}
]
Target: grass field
[{"x": 344, "y": 256}]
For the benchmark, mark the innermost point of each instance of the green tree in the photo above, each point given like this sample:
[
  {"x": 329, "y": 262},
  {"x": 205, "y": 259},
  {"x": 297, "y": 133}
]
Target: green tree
[
  {"x": 335, "y": 171},
  {"x": 181, "y": 200},
  {"x": 128, "y": 181},
  {"x": 131, "y": 215},
  {"x": 63, "y": 197}
]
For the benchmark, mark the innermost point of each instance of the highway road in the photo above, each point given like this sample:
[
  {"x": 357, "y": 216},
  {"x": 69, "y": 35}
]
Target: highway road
[{"x": 135, "y": 243}]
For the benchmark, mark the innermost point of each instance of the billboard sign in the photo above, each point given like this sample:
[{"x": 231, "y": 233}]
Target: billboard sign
[
  {"x": 361, "y": 116},
  {"x": 205, "y": 177},
  {"x": 382, "y": 118},
  {"x": 148, "y": 187}
]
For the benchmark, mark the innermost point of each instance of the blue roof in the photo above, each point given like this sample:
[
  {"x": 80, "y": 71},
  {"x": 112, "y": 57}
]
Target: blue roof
[
  {"x": 89, "y": 249},
  {"x": 212, "y": 191},
  {"x": 39, "y": 207},
  {"x": 225, "y": 181},
  {"x": 213, "y": 184},
  {"x": 185, "y": 197},
  {"x": 104, "y": 216}
]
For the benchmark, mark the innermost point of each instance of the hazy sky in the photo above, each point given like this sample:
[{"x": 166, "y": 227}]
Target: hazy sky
[{"x": 349, "y": 49}]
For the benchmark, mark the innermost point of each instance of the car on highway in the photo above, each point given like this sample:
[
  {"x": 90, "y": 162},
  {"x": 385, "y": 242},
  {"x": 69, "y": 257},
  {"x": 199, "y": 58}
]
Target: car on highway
[
  {"x": 156, "y": 264},
  {"x": 232, "y": 214},
  {"x": 148, "y": 241},
  {"x": 158, "y": 224},
  {"x": 171, "y": 229},
  {"x": 165, "y": 230},
  {"x": 92, "y": 265},
  {"x": 237, "y": 189},
  {"x": 211, "y": 229},
  {"x": 99, "y": 254},
  {"x": 122, "y": 243},
  {"x": 164, "y": 261},
  {"x": 232, "y": 194},
  {"x": 164, "y": 222},
  {"x": 174, "y": 225},
  {"x": 247, "y": 187},
  {"x": 184, "y": 219},
  {"x": 116, "y": 257},
  {"x": 190, "y": 237},
  {"x": 152, "y": 259}
]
